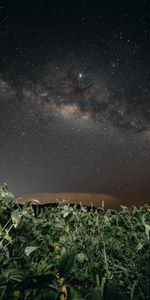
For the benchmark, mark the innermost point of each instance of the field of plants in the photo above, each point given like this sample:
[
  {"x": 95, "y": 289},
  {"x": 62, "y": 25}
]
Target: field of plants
[{"x": 69, "y": 252}]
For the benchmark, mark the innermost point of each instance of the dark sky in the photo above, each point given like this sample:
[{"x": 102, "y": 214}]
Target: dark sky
[{"x": 75, "y": 97}]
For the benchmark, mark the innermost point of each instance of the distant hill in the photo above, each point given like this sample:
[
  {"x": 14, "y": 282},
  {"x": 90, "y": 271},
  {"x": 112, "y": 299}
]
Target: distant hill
[{"x": 85, "y": 198}]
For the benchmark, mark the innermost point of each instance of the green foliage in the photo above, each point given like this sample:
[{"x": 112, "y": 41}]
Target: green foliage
[{"x": 66, "y": 252}]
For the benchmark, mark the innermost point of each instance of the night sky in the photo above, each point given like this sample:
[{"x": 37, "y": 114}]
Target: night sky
[{"x": 75, "y": 97}]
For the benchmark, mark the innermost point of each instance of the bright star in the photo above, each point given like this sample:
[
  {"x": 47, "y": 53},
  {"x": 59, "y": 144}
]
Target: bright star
[{"x": 80, "y": 75}]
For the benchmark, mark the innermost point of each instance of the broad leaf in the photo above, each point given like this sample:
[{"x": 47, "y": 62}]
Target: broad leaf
[
  {"x": 74, "y": 295},
  {"x": 16, "y": 217},
  {"x": 29, "y": 249}
]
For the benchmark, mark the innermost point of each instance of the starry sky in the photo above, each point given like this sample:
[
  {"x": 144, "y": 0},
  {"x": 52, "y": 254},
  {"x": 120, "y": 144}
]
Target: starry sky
[{"x": 75, "y": 97}]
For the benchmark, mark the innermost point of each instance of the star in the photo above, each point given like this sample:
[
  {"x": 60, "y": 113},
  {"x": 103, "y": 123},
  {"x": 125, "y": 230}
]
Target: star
[{"x": 80, "y": 75}]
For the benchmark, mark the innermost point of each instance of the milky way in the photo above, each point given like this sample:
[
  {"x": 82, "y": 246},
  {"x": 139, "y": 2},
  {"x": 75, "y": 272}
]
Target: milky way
[
  {"x": 72, "y": 123},
  {"x": 75, "y": 97},
  {"x": 69, "y": 92}
]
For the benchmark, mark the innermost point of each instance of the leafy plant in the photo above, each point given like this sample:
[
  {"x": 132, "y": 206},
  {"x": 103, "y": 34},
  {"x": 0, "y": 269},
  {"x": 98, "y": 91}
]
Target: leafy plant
[{"x": 69, "y": 252}]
